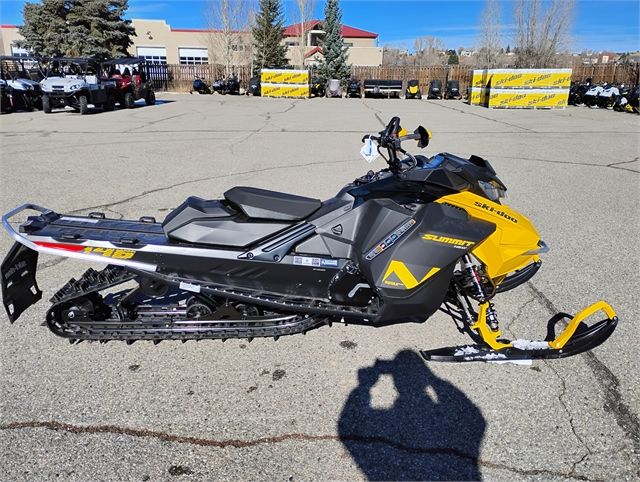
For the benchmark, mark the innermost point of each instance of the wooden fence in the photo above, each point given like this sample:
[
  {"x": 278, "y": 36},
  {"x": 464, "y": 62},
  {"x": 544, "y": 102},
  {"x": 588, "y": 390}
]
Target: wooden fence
[{"x": 179, "y": 78}]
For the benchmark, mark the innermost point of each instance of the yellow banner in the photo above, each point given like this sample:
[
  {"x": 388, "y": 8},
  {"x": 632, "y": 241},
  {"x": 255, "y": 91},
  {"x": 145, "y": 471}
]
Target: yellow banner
[
  {"x": 478, "y": 96},
  {"x": 285, "y": 90},
  {"x": 284, "y": 76},
  {"x": 478, "y": 78},
  {"x": 529, "y": 78},
  {"x": 528, "y": 98}
]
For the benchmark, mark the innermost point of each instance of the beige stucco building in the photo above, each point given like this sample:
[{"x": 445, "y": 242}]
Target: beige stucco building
[{"x": 158, "y": 42}]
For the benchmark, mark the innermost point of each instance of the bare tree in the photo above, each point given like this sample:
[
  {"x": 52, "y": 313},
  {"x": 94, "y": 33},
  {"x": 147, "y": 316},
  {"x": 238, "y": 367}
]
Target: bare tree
[
  {"x": 305, "y": 10},
  {"x": 229, "y": 37},
  {"x": 490, "y": 39},
  {"x": 542, "y": 31},
  {"x": 429, "y": 51}
]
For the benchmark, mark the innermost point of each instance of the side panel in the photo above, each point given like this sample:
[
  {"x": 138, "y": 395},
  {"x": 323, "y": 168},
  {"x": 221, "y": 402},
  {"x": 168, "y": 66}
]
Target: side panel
[
  {"x": 412, "y": 263},
  {"x": 509, "y": 248}
]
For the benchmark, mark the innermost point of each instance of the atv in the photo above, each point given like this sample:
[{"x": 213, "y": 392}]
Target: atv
[
  {"x": 132, "y": 79},
  {"x": 453, "y": 90},
  {"x": 77, "y": 82},
  {"x": 6, "y": 98},
  {"x": 393, "y": 246},
  {"x": 413, "y": 90},
  {"x": 27, "y": 93},
  {"x": 230, "y": 85}
]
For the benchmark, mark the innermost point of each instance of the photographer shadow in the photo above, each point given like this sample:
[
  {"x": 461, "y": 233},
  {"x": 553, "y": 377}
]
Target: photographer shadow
[{"x": 431, "y": 432}]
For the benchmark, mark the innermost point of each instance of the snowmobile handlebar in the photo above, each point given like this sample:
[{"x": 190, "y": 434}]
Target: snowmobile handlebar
[{"x": 391, "y": 139}]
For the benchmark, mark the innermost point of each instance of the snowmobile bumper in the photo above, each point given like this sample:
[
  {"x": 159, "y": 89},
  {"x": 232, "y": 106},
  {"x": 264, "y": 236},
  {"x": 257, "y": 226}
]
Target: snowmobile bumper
[
  {"x": 576, "y": 338},
  {"x": 19, "y": 287}
]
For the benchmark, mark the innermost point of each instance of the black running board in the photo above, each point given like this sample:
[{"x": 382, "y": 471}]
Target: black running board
[{"x": 584, "y": 340}]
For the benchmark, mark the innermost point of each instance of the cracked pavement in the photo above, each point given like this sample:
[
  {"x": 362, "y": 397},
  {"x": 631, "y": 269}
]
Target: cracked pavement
[{"x": 346, "y": 402}]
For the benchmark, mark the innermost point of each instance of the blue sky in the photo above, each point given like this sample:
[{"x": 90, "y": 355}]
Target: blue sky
[{"x": 598, "y": 24}]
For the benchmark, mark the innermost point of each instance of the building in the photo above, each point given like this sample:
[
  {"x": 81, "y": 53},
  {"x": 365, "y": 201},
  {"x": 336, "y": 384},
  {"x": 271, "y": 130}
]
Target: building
[
  {"x": 158, "y": 42},
  {"x": 362, "y": 46}
]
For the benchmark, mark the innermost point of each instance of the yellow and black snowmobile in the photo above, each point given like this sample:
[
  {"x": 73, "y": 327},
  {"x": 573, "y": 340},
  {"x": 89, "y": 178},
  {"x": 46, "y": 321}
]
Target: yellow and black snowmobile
[
  {"x": 392, "y": 247},
  {"x": 413, "y": 90}
]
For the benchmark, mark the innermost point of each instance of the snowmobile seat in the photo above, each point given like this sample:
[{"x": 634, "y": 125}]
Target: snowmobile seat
[
  {"x": 214, "y": 222},
  {"x": 263, "y": 204}
]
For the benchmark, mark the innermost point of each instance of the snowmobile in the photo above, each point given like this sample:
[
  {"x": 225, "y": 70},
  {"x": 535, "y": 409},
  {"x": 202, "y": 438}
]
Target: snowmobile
[
  {"x": 577, "y": 90},
  {"x": 333, "y": 88},
  {"x": 393, "y": 246},
  {"x": 200, "y": 86},
  {"x": 435, "y": 90},
  {"x": 590, "y": 97},
  {"x": 413, "y": 90},
  {"x": 354, "y": 89},
  {"x": 453, "y": 90},
  {"x": 606, "y": 98},
  {"x": 254, "y": 87}
]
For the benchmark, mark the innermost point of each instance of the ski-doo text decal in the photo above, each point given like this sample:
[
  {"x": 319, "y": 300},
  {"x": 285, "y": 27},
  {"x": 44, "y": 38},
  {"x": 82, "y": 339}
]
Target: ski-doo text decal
[
  {"x": 390, "y": 240},
  {"x": 404, "y": 277}
]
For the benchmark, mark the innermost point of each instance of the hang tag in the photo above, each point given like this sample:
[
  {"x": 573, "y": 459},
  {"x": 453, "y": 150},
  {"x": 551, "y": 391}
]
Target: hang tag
[{"x": 369, "y": 151}]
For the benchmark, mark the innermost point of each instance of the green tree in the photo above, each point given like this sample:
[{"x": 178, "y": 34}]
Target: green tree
[
  {"x": 334, "y": 65},
  {"x": 453, "y": 58},
  {"x": 45, "y": 28},
  {"x": 268, "y": 35},
  {"x": 77, "y": 27}
]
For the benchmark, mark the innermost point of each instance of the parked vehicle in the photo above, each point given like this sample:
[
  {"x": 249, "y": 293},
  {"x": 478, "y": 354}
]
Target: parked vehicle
[
  {"x": 435, "y": 90},
  {"x": 391, "y": 247},
  {"x": 413, "y": 90},
  {"x": 607, "y": 97},
  {"x": 77, "y": 82},
  {"x": 230, "y": 85},
  {"x": 254, "y": 87},
  {"x": 26, "y": 92},
  {"x": 620, "y": 101},
  {"x": 200, "y": 86},
  {"x": 590, "y": 97},
  {"x": 334, "y": 88},
  {"x": 382, "y": 88},
  {"x": 354, "y": 88},
  {"x": 6, "y": 98},
  {"x": 453, "y": 90},
  {"x": 132, "y": 79},
  {"x": 633, "y": 100},
  {"x": 577, "y": 90},
  {"x": 317, "y": 87}
]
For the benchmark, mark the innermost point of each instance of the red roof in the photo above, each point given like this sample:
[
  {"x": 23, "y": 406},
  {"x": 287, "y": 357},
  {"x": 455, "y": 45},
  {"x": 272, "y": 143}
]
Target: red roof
[
  {"x": 8, "y": 26},
  {"x": 313, "y": 51},
  {"x": 352, "y": 32}
]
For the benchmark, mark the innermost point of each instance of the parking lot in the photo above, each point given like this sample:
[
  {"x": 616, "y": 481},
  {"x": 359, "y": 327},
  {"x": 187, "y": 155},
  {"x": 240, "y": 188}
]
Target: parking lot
[{"x": 345, "y": 402}]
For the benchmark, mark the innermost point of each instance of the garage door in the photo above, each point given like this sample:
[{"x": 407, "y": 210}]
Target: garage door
[
  {"x": 155, "y": 55},
  {"x": 193, "y": 56}
]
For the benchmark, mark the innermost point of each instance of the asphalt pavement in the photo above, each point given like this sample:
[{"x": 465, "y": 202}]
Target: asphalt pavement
[{"x": 346, "y": 402}]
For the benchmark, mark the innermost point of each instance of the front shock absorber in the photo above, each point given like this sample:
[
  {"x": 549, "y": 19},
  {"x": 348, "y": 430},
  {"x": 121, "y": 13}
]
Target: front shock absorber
[{"x": 479, "y": 292}]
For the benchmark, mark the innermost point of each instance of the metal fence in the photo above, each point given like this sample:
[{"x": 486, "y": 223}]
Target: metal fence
[{"x": 179, "y": 78}]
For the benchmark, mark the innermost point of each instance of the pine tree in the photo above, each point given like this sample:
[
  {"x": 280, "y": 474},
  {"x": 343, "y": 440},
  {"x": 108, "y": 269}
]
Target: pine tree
[
  {"x": 268, "y": 34},
  {"x": 453, "y": 58},
  {"x": 77, "y": 27},
  {"x": 334, "y": 65},
  {"x": 45, "y": 28}
]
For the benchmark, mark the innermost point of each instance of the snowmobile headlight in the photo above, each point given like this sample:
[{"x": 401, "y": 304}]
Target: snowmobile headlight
[
  {"x": 493, "y": 190},
  {"x": 75, "y": 87}
]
